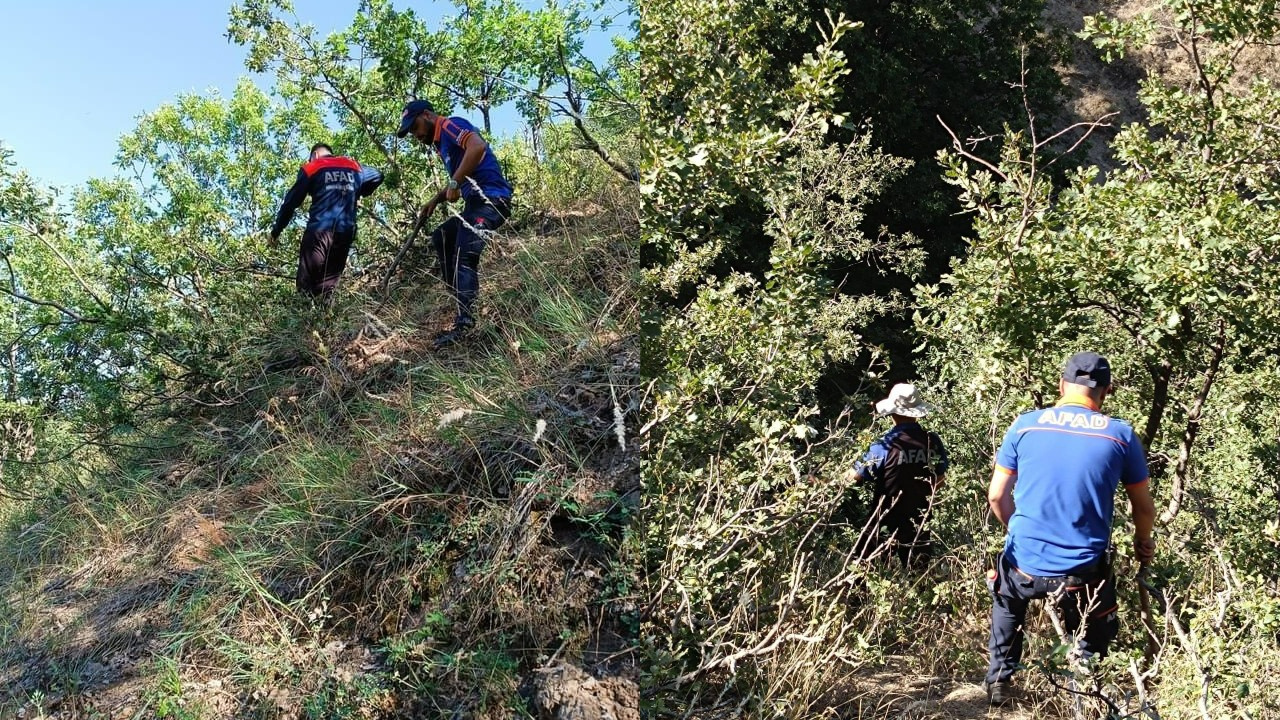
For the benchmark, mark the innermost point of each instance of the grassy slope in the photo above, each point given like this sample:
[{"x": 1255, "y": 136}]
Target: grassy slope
[{"x": 387, "y": 531}]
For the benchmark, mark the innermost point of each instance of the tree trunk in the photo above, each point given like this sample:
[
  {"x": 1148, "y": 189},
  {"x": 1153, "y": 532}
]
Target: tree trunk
[
  {"x": 1161, "y": 378},
  {"x": 485, "y": 107},
  {"x": 1159, "y": 401},
  {"x": 1193, "y": 428}
]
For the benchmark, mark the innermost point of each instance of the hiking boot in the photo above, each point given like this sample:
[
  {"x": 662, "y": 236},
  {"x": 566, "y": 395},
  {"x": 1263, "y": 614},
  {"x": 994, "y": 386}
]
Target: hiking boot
[
  {"x": 998, "y": 692},
  {"x": 445, "y": 338}
]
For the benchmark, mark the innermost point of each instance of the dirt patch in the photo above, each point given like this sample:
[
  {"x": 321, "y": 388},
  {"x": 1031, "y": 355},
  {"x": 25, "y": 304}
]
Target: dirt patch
[
  {"x": 191, "y": 539},
  {"x": 1096, "y": 88},
  {"x": 565, "y": 692}
]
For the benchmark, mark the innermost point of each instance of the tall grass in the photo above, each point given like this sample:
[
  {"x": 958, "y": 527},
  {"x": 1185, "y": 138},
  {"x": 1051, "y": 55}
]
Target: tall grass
[{"x": 382, "y": 530}]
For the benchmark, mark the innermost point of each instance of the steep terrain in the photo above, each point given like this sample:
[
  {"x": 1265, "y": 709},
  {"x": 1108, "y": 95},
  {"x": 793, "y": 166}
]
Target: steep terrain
[
  {"x": 381, "y": 531},
  {"x": 1096, "y": 89}
]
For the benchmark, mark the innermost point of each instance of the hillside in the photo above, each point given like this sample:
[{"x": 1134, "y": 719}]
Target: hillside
[
  {"x": 381, "y": 531},
  {"x": 1095, "y": 88}
]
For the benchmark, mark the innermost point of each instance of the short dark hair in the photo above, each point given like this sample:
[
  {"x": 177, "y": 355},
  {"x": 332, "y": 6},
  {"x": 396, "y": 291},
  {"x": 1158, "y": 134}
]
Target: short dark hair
[{"x": 317, "y": 146}]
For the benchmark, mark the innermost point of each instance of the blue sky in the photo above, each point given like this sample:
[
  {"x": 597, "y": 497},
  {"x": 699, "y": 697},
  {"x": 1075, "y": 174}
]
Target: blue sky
[{"x": 77, "y": 73}]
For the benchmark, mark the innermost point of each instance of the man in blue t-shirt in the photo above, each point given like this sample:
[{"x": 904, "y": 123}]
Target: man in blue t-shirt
[
  {"x": 335, "y": 184},
  {"x": 474, "y": 176},
  {"x": 1054, "y": 488}
]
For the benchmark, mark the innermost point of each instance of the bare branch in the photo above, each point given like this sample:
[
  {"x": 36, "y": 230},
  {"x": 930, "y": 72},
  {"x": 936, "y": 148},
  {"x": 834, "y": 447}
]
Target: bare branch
[
  {"x": 575, "y": 105},
  {"x": 959, "y": 148}
]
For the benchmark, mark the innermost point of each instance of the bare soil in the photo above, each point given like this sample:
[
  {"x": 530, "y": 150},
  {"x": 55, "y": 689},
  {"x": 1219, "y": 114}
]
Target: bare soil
[{"x": 895, "y": 695}]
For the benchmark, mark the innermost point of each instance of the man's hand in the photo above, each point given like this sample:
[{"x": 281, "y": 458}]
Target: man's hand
[
  {"x": 852, "y": 476},
  {"x": 1144, "y": 549},
  {"x": 273, "y": 240},
  {"x": 428, "y": 210},
  {"x": 452, "y": 194}
]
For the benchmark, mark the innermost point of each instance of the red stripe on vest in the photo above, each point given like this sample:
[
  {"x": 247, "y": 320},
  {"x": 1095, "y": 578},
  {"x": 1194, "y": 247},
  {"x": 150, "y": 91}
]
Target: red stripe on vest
[{"x": 330, "y": 161}]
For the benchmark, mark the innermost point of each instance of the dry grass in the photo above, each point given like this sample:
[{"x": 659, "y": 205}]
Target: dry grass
[
  {"x": 1096, "y": 88},
  {"x": 377, "y": 533}
]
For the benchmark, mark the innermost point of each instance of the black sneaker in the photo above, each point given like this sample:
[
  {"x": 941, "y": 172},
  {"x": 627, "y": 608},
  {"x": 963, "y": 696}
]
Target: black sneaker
[
  {"x": 998, "y": 692},
  {"x": 453, "y": 335}
]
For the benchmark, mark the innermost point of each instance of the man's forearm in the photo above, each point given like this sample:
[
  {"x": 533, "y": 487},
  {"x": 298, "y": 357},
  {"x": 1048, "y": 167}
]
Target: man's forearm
[
  {"x": 1144, "y": 519},
  {"x": 1000, "y": 494},
  {"x": 1002, "y": 507}
]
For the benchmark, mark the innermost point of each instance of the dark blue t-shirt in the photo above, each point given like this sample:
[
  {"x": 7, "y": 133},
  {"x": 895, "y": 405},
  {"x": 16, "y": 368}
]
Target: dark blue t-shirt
[
  {"x": 334, "y": 184},
  {"x": 1069, "y": 460},
  {"x": 452, "y": 136}
]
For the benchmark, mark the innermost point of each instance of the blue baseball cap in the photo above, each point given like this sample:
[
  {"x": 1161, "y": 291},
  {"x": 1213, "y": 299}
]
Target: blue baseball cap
[
  {"x": 412, "y": 110},
  {"x": 1087, "y": 368}
]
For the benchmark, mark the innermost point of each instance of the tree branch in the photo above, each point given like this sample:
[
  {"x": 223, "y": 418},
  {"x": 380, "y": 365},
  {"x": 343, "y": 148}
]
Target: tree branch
[
  {"x": 575, "y": 106},
  {"x": 1193, "y": 426}
]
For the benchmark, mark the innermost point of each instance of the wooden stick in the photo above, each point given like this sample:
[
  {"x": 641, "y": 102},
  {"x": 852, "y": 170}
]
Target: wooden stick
[
  {"x": 408, "y": 243},
  {"x": 1144, "y": 613}
]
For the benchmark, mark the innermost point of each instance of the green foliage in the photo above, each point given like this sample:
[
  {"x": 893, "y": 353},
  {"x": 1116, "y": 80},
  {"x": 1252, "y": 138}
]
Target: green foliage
[
  {"x": 963, "y": 62},
  {"x": 1164, "y": 266},
  {"x": 955, "y": 60},
  {"x": 136, "y": 293},
  {"x": 485, "y": 55},
  {"x": 497, "y": 47},
  {"x": 740, "y": 604}
]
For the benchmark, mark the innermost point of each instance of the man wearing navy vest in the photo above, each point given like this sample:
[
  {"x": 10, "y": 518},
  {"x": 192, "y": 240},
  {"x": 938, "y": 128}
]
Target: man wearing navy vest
[
  {"x": 334, "y": 184},
  {"x": 1054, "y": 488},
  {"x": 476, "y": 178},
  {"x": 904, "y": 467}
]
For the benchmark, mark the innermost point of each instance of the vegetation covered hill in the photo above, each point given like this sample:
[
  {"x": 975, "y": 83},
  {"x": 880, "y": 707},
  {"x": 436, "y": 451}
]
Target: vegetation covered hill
[
  {"x": 385, "y": 531},
  {"x": 220, "y": 500}
]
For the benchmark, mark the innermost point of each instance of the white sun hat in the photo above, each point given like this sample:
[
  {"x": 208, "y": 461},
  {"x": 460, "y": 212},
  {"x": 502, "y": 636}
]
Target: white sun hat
[{"x": 904, "y": 401}]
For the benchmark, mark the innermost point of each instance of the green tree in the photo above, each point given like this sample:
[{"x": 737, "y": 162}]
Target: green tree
[
  {"x": 497, "y": 48},
  {"x": 739, "y": 603},
  {"x": 1164, "y": 264},
  {"x": 482, "y": 57},
  {"x": 134, "y": 297}
]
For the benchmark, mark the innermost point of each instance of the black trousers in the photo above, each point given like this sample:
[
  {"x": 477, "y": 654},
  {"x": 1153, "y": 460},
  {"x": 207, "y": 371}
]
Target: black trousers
[
  {"x": 459, "y": 241},
  {"x": 321, "y": 259},
  {"x": 1089, "y": 597},
  {"x": 904, "y": 534}
]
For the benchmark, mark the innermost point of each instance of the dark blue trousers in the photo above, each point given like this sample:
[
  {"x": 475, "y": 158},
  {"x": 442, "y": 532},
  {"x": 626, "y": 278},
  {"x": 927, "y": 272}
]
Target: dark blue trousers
[
  {"x": 458, "y": 243},
  {"x": 1088, "y": 595}
]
